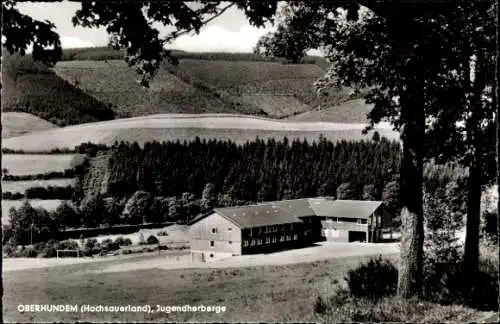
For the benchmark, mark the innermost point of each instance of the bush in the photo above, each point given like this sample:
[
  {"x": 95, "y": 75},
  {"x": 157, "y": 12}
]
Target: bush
[
  {"x": 162, "y": 233},
  {"x": 121, "y": 241},
  {"x": 108, "y": 245},
  {"x": 28, "y": 252},
  {"x": 152, "y": 240},
  {"x": 373, "y": 280},
  {"x": 7, "y": 195},
  {"x": 91, "y": 247}
]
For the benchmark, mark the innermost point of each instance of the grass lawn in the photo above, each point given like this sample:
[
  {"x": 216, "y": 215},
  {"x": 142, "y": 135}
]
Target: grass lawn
[{"x": 267, "y": 293}]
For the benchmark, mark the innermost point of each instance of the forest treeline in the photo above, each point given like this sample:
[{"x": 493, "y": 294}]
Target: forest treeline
[{"x": 256, "y": 171}]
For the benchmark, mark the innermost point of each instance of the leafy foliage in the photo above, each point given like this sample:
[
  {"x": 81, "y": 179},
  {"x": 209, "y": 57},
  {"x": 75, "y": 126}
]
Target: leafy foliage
[{"x": 375, "y": 279}]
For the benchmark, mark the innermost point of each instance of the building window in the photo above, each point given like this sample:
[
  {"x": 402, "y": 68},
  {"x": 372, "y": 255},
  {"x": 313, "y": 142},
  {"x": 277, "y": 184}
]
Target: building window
[
  {"x": 252, "y": 243},
  {"x": 229, "y": 229},
  {"x": 212, "y": 243},
  {"x": 259, "y": 242},
  {"x": 295, "y": 237},
  {"x": 288, "y": 237},
  {"x": 268, "y": 240},
  {"x": 274, "y": 239},
  {"x": 245, "y": 243},
  {"x": 282, "y": 238},
  {"x": 360, "y": 221},
  {"x": 214, "y": 230}
]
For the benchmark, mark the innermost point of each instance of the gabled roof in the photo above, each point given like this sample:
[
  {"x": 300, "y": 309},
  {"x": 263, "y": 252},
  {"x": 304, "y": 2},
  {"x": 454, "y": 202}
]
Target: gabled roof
[
  {"x": 297, "y": 207},
  {"x": 290, "y": 211},
  {"x": 344, "y": 208},
  {"x": 257, "y": 215}
]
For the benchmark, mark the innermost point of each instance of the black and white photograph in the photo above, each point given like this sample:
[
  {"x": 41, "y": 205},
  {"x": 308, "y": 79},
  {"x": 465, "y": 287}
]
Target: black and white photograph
[{"x": 320, "y": 161}]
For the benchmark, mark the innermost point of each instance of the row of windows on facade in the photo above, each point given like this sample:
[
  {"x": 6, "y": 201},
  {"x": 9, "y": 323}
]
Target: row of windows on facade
[
  {"x": 275, "y": 228},
  {"x": 349, "y": 220},
  {"x": 266, "y": 229},
  {"x": 267, "y": 240}
]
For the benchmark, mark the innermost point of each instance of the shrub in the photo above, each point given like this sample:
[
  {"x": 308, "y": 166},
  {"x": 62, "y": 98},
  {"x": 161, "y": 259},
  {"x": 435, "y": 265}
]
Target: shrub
[
  {"x": 320, "y": 305},
  {"x": 108, "y": 245},
  {"x": 162, "y": 233},
  {"x": 152, "y": 240},
  {"x": 121, "y": 241},
  {"x": 28, "y": 253},
  {"x": 373, "y": 280},
  {"x": 91, "y": 247},
  {"x": 7, "y": 195}
]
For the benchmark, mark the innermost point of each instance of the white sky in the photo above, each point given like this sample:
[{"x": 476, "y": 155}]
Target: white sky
[{"x": 230, "y": 32}]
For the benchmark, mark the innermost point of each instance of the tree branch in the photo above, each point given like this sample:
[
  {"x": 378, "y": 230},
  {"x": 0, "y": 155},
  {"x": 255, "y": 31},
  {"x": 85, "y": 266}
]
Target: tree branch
[{"x": 175, "y": 35}]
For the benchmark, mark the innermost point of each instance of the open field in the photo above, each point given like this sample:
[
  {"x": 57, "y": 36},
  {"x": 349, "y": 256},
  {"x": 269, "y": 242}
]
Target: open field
[
  {"x": 48, "y": 204},
  {"x": 354, "y": 111},
  {"x": 226, "y": 74},
  {"x": 177, "y": 127},
  {"x": 263, "y": 293},
  {"x": 21, "y": 186},
  {"x": 31, "y": 164},
  {"x": 19, "y": 123}
]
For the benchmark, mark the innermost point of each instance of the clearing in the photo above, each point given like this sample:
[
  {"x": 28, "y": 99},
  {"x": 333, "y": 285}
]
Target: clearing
[
  {"x": 19, "y": 123},
  {"x": 166, "y": 127},
  {"x": 32, "y": 164},
  {"x": 21, "y": 186}
]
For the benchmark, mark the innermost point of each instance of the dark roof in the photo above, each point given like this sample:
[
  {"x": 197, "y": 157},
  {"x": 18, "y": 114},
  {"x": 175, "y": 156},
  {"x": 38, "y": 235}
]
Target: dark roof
[
  {"x": 344, "y": 208},
  {"x": 297, "y": 207},
  {"x": 257, "y": 215},
  {"x": 290, "y": 211}
]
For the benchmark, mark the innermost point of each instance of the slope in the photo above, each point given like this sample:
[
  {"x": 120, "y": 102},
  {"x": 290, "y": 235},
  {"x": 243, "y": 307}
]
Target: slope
[
  {"x": 114, "y": 82},
  {"x": 33, "y": 88},
  {"x": 172, "y": 127},
  {"x": 352, "y": 111},
  {"x": 19, "y": 123}
]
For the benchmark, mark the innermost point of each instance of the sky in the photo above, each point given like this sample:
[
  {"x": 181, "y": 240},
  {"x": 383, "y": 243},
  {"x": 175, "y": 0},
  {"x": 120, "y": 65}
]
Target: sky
[{"x": 230, "y": 32}]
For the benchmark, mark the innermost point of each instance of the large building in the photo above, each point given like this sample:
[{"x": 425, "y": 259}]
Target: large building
[{"x": 283, "y": 224}]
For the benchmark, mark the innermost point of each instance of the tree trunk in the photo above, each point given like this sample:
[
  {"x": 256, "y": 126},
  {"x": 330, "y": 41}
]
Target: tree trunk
[
  {"x": 475, "y": 179},
  {"x": 497, "y": 102},
  {"x": 471, "y": 251},
  {"x": 412, "y": 228}
]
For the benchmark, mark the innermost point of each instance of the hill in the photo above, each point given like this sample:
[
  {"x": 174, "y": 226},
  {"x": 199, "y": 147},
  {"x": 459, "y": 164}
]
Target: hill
[
  {"x": 95, "y": 84},
  {"x": 355, "y": 111},
  {"x": 198, "y": 86},
  {"x": 33, "y": 88},
  {"x": 19, "y": 123},
  {"x": 165, "y": 127},
  {"x": 114, "y": 82}
]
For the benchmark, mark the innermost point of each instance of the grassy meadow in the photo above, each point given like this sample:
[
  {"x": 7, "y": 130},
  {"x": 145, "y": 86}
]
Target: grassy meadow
[
  {"x": 31, "y": 164},
  {"x": 177, "y": 127},
  {"x": 21, "y": 186},
  {"x": 19, "y": 123},
  {"x": 265, "y": 293}
]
